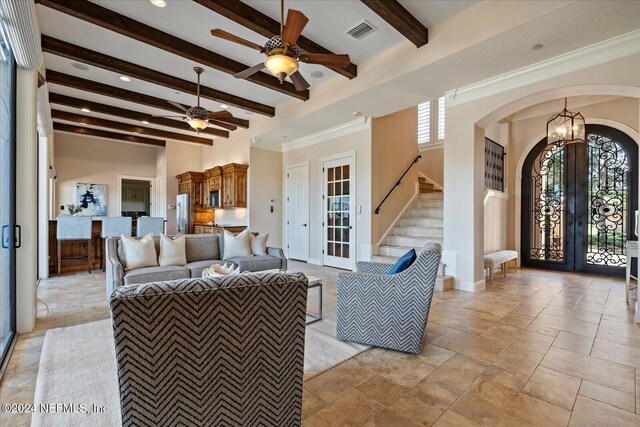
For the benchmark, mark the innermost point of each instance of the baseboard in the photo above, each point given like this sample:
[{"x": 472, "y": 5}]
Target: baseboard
[
  {"x": 469, "y": 286},
  {"x": 314, "y": 261}
]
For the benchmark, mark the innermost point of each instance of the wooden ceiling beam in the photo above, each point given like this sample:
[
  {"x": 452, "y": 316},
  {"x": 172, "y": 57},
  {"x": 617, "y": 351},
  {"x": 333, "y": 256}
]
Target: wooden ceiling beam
[
  {"x": 63, "y": 127},
  {"x": 97, "y": 59},
  {"x": 262, "y": 24},
  {"x": 69, "y": 101},
  {"x": 125, "y": 127},
  {"x": 400, "y": 19},
  {"x": 68, "y": 80},
  {"x": 105, "y": 18}
]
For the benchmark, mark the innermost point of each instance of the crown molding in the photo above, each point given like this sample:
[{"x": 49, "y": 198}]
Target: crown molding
[{"x": 595, "y": 54}]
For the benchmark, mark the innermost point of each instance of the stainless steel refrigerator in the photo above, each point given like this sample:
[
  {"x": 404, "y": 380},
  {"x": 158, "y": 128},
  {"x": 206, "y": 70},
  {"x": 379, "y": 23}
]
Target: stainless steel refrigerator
[{"x": 183, "y": 212}]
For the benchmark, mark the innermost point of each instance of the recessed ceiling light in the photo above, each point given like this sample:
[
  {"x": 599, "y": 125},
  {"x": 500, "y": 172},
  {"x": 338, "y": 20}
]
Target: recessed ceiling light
[
  {"x": 145, "y": 122},
  {"x": 224, "y": 106},
  {"x": 177, "y": 92},
  {"x": 159, "y": 3},
  {"x": 86, "y": 110},
  {"x": 249, "y": 113},
  {"x": 537, "y": 46},
  {"x": 316, "y": 74},
  {"x": 79, "y": 66},
  {"x": 125, "y": 79}
]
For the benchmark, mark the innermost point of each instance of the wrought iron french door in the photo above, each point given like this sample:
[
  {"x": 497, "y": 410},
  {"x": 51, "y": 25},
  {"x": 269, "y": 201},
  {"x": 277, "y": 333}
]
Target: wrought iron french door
[{"x": 579, "y": 203}]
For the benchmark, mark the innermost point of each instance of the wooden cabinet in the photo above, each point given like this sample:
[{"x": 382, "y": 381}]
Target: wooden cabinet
[
  {"x": 214, "y": 229},
  {"x": 212, "y": 182},
  {"x": 234, "y": 186}
]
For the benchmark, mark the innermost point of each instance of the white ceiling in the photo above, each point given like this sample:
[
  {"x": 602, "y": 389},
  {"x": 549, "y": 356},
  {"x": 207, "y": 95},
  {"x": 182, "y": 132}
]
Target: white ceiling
[
  {"x": 329, "y": 20},
  {"x": 500, "y": 54}
]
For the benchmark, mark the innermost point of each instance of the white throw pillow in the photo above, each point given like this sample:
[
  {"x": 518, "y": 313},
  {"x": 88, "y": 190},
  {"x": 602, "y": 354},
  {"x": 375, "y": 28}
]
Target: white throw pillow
[
  {"x": 172, "y": 251},
  {"x": 139, "y": 253},
  {"x": 259, "y": 244},
  {"x": 235, "y": 246}
]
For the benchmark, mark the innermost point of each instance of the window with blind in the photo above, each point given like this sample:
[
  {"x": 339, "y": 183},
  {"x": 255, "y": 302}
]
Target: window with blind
[{"x": 431, "y": 116}]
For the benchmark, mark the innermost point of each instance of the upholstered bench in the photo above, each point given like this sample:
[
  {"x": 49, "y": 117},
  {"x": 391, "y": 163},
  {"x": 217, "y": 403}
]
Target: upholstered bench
[{"x": 501, "y": 258}]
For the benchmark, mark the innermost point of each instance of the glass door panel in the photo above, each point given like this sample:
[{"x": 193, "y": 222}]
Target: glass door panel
[
  {"x": 338, "y": 227},
  {"x": 7, "y": 199}
]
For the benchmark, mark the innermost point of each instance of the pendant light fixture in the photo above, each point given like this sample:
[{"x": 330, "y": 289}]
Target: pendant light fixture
[{"x": 566, "y": 127}]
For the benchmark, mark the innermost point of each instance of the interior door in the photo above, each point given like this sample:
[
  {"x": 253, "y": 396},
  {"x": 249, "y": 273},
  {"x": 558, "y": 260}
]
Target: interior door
[
  {"x": 338, "y": 219},
  {"x": 298, "y": 212},
  {"x": 7, "y": 201},
  {"x": 579, "y": 202}
]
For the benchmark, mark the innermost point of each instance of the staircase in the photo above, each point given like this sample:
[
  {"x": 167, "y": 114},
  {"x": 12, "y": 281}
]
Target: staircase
[{"x": 422, "y": 222}]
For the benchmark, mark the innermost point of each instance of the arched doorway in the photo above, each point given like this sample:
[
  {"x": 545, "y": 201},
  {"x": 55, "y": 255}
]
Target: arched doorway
[{"x": 579, "y": 203}]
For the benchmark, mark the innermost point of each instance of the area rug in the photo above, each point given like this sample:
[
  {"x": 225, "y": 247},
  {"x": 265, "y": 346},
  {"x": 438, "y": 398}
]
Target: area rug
[{"x": 77, "y": 382}]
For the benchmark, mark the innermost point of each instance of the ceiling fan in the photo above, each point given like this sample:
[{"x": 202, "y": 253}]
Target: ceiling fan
[
  {"x": 283, "y": 54},
  {"x": 200, "y": 118}
]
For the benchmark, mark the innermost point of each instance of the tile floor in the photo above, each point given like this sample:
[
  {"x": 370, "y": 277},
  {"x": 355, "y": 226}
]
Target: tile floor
[{"x": 538, "y": 348}]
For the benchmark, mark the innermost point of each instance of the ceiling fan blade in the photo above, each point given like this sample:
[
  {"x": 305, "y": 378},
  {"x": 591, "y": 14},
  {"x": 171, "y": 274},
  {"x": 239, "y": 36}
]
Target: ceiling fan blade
[
  {"x": 219, "y": 114},
  {"x": 223, "y": 125},
  {"x": 296, "y": 22},
  {"x": 299, "y": 82},
  {"x": 327, "y": 59},
  {"x": 249, "y": 71},
  {"x": 177, "y": 105},
  {"x": 235, "y": 39},
  {"x": 172, "y": 117}
]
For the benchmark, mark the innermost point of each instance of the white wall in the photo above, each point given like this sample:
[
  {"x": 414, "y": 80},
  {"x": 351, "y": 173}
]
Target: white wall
[
  {"x": 360, "y": 142},
  {"x": 179, "y": 158},
  {"x": 265, "y": 184},
  {"x": 82, "y": 159}
]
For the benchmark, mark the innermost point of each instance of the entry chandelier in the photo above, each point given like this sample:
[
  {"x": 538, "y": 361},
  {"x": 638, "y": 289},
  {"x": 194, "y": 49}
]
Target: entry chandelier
[{"x": 566, "y": 127}]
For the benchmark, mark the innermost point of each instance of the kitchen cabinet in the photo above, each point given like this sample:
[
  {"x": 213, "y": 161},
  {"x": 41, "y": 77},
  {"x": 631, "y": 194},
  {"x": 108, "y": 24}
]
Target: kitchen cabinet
[
  {"x": 234, "y": 186},
  {"x": 215, "y": 229},
  {"x": 212, "y": 182}
]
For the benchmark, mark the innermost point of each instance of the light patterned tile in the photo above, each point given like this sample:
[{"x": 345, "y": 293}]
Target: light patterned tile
[
  {"x": 591, "y": 413},
  {"x": 607, "y": 395},
  {"x": 553, "y": 387}
]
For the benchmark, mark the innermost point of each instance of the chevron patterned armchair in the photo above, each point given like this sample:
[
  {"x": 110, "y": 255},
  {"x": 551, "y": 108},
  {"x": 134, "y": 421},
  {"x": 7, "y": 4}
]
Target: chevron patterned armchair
[
  {"x": 211, "y": 352},
  {"x": 384, "y": 310}
]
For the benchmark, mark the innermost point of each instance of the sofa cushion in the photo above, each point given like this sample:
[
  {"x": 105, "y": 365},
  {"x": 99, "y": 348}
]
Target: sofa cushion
[
  {"x": 139, "y": 253},
  {"x": 172, "y": 251},
  {"x": 256, "y": 263},
  {"x": 156, "y": 274},
  {"x": 236, "y": 245},
  {"x": 122, "y": 257},
  {"x": 202, "y": 247},
  {"x": 197, "y": 267},
  {"x": 404, "y": 262},
  {"x": 259, "y": 244}
]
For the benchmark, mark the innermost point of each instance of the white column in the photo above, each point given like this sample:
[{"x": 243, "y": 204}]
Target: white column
[
  {"x": 26, "y": 198},
  {"x": 43, "y": 206},
  {"x": 463, "y": 200}
]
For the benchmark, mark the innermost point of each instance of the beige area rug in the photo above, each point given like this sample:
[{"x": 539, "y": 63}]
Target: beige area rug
[{"x": 78, "y": 369}]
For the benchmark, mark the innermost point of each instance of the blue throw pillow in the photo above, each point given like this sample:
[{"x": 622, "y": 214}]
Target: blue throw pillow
[{"x": 404, "y": 262}]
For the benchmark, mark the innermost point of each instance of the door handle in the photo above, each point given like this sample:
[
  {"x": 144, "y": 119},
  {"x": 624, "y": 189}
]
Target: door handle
[
  {"x": 304, "y": 225},
  {"x": 570, "y": 219},
  {"x": 350, "y": 227},
  {"x": 18, "y": 238},
  {"x": 5, "y": 242}
]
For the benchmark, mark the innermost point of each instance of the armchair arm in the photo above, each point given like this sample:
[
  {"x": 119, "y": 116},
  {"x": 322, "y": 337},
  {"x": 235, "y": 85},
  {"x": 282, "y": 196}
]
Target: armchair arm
[
  {"x": 278, "y": 253},
  {"x": 373, "y": 267},
  {"x": 115, "y": 270}
]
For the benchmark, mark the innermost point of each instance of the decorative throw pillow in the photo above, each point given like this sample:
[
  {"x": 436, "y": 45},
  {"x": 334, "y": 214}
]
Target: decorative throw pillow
[
  {"x": 259, "y": 244},
  {"x": 139, "y": 253},
  {"x": 404, "y": 262},
  {"x": 236, "y": 246},
  {"x": 172, "y": 251}
]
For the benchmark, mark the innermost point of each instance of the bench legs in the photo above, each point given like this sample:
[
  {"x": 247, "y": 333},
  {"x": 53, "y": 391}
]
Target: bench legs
[{"x": 504, "y": 266}]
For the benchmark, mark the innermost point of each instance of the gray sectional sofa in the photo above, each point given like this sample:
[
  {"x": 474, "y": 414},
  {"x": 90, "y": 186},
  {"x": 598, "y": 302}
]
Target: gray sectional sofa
[{"x": 202, "y": 251}]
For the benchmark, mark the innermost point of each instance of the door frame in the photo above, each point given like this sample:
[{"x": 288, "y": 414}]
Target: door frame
[
  {"x": 353, "y": 203},
  {"x": 152, "y": 191},
  {"x": 287, "y": 168},
  {"x": 577, "y": 198}
]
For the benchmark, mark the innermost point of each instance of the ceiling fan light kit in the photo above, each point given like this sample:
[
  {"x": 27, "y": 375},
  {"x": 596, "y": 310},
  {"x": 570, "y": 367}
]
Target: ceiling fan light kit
[
  {"x": 283, "y": 53},
  {"x": 200, "y": 118}
]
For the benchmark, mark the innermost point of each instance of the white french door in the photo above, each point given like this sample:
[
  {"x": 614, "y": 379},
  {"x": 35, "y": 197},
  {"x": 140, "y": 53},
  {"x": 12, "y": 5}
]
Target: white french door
[
  {"x": 297, "y": 188},
  {"x": 338, "y": 226}
]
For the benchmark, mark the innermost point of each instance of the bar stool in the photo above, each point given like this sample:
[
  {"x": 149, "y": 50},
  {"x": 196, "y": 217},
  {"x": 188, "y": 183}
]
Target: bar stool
[
  {"x": 147, "y": 224},
  {"x": 113, "y": 226},
  {"x": 74, "y": 229}
]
